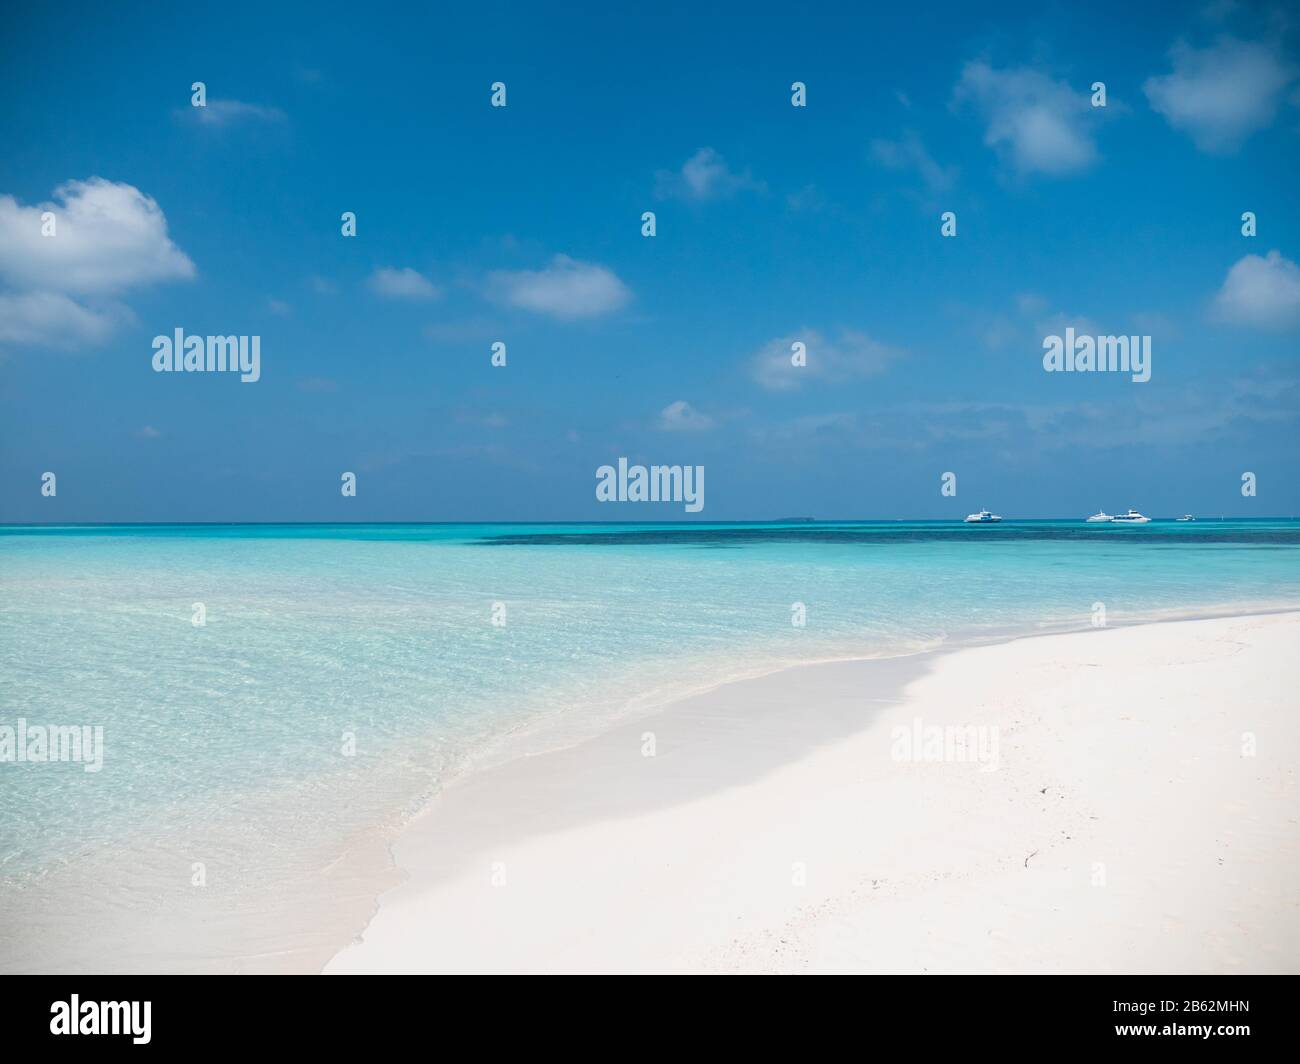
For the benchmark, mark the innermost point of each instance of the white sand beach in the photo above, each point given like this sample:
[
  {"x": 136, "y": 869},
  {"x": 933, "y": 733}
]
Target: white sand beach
[{"x": 1135, "y": 809}]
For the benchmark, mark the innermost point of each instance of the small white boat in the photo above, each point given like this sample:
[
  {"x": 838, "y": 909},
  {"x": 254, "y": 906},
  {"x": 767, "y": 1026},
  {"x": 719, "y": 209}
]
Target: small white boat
[
  {"x": 1100, "y": 516},
  {"x": 982, "y": 518},
  {"x": 1130, "y": 518},
  {"x": 1187, "y": 517}
]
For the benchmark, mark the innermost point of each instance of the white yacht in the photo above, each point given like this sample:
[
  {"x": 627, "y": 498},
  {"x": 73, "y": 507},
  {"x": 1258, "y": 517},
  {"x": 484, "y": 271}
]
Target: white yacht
[
  {"x": 1130, "y": 518},
  {"x": 1187, "y": 517},
  {"x": 1100, "y": 516},
  {"x": 982, "y": 518}
]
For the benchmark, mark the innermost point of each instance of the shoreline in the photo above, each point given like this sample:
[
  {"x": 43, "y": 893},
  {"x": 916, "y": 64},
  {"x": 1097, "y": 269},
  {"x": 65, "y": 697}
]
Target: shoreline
[
  {"x": 529, "y": 816},
  {"x": 301, "y": 917},
  {"x": 523, "y": 740}
]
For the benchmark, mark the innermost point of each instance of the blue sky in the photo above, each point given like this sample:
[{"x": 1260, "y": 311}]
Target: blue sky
[{"x": 523, "y": 224}]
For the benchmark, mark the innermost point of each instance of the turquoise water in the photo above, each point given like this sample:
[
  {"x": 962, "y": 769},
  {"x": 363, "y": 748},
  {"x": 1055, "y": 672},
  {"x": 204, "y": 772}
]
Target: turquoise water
[{"x": 228, "y": 743}]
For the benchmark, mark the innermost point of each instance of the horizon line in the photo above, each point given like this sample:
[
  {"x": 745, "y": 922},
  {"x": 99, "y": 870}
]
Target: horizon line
[{"x": 513, "y": 521}]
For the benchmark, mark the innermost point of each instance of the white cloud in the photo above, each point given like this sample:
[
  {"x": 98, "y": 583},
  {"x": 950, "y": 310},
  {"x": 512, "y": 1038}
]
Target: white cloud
[
  {"x": 221, "y": 113},
  {"x": 682, "y": 417},
  {"x": 565, "y": 289},
  {"x": 108, "y": 237},
  {"x": 405, "y": 283},
  {"x": 1042, "y": 124},
  {"x": 910, "y": 153},
  {"x": 1222, "y": 94},
  {"x": 52, "y": 319},
  {"x": 148, "y": 432},
  {"x": 852, "y": 356},
  {"x": 704, "y": 176},
  {"x": 1260, "y": 291}
]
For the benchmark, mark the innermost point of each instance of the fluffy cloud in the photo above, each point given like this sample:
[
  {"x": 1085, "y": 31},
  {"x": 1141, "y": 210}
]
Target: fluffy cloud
[
  {"x": 1260, "y": 291},
  {"x": 1222, "y": 94},
  {"x": 565, "y": 289},
  {"x": 1040, "y": 123},
  {"x": 107, "y": 238},
  {"x": 405, "y": 283},
  {"x": 852, "y": 356},
  {"x": 704, "y": 176},
  {"x": 52, "y": 319},
  {"x": 682, "y": 417}
]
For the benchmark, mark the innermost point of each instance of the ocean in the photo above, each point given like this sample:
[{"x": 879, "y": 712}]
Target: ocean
[{"x": 254, "y": 764}]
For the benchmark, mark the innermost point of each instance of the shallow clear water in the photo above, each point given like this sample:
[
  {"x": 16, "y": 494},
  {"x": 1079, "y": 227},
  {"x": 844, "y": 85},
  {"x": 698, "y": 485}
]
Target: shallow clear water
[{"x": 227, "y": 743}]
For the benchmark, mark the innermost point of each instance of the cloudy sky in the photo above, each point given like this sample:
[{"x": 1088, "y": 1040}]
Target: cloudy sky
[{"x": 522, "y": 225}]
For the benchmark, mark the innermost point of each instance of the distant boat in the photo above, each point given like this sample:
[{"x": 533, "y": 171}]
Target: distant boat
[
  {"x": 1101, "y": 516},
  {"x": 982, "y": 518},
  {"x": 1130, "y": 518},
  {"x": 1187, "y": 517}
]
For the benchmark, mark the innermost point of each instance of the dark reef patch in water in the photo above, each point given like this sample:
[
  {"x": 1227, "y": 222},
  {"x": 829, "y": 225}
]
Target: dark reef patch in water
[{"x": 1238, "y": 534}]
